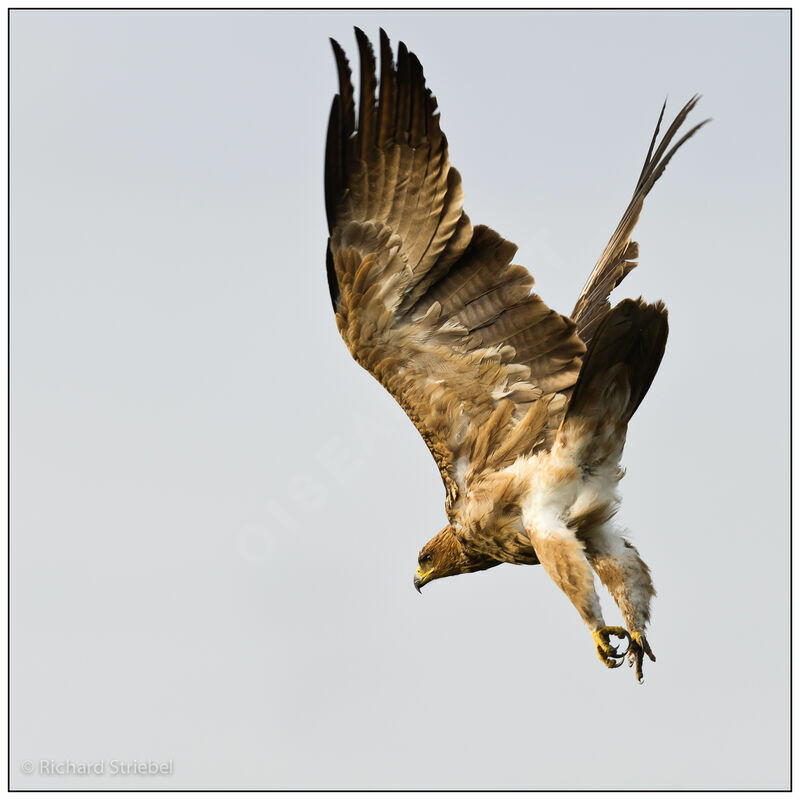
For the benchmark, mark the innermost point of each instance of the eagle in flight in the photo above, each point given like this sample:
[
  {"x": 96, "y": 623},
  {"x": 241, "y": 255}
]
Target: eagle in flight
[{"x": 524, "y": 410}]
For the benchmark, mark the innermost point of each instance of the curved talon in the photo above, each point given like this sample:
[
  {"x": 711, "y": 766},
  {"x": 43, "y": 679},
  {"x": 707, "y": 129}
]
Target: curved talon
[
  {"x": 609, "y": 662},
  {"x": 605, "y": 651},
  {"x": 641, "y": 640},
  {"x": 639, "y": 646}
]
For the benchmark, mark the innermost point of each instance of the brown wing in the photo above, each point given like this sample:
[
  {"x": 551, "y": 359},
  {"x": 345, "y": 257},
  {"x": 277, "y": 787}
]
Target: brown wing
[
  {"x": 618, "y": 259},
  {"x": 621, "y": 361},
  {"x": 431, "y": 306}
]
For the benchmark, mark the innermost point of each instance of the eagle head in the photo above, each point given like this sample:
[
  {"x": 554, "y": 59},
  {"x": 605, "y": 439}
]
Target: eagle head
[{"x": 445, "y": 555}]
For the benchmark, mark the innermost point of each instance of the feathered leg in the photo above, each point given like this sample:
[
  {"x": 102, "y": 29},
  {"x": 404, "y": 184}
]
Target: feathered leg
[
  {"x": 563, "y": 557},
  {"x": 623, "y": 572},
  {"x": 617, "y": 371}
]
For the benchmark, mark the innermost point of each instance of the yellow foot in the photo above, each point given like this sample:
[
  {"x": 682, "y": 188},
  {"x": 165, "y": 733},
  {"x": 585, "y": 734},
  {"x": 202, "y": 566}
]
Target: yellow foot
[
  {"x": 605, "y": 651},
  {"x": 636, "y": 653}
]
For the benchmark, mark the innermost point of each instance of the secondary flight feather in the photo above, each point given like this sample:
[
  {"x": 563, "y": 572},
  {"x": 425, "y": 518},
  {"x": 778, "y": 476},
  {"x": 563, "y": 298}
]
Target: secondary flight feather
[{"x": 524, "y": 410}]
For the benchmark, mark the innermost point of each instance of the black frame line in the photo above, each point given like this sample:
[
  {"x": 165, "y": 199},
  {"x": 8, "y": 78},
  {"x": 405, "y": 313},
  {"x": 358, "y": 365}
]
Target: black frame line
[{"x": 8, "y": 373}]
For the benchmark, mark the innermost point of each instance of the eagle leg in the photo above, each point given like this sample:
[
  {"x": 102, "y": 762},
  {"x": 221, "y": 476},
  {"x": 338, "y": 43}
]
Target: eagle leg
[
  {"x": 621, "y": 570},
  {"x": 636, "y": 652},
  {"x": 605, "y": 650}
]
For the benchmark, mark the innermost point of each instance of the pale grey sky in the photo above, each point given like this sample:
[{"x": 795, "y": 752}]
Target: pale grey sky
[{"x": 215, "y": 513}]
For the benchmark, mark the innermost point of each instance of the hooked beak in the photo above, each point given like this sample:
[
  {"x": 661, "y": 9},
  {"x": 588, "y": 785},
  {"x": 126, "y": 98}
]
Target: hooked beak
[{"x": 421, "y": 578}]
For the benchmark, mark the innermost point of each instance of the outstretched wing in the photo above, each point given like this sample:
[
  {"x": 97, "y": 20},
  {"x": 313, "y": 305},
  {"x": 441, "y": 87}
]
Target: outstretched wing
[
  {"x": 429, "y": 304},
  {"x": 620, "y": 255}
]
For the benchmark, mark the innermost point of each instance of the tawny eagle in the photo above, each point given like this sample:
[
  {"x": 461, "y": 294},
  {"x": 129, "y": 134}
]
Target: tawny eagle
[{"x": 524, "y": 410}]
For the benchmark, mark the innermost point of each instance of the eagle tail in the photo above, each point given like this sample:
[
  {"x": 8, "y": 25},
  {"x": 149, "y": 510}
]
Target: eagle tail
[{"x": 621, "y": 362}]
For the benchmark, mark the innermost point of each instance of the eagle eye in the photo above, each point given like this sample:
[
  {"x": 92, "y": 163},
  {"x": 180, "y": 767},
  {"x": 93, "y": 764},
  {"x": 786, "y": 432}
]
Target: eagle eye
[{"x": 426, "y": 559}]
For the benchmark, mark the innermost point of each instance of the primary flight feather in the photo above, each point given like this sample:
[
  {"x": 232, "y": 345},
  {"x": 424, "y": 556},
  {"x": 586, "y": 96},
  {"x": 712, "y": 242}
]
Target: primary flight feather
[{"x": 524, "y": 410}]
